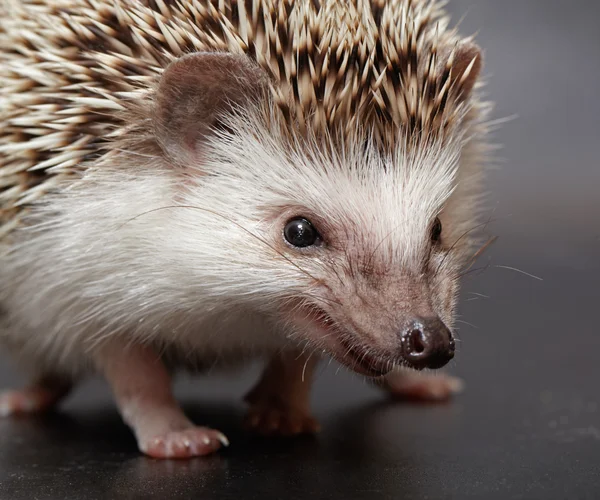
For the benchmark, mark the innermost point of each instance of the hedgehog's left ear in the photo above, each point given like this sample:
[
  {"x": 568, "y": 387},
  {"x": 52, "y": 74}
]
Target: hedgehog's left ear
[
  {"x": 464, "y": 65},
  {"x": 194, "y": 92}
]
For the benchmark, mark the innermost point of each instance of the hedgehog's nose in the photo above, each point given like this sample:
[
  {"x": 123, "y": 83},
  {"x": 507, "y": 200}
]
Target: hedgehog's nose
[{"x": 427, "y": 343}]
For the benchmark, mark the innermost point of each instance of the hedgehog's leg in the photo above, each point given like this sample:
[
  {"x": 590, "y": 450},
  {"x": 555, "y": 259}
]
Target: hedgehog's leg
[
  {"x": 411, "y": 385},
  {"x": 41, "y": 395},
  {"x": 142, "y": 389},
  {"x": 280, "y": 401}
]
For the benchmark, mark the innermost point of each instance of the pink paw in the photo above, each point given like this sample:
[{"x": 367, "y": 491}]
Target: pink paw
[
  {"x": 25, "y": 401},
  {"x": 422, "y": 387},
  {"x": 192, "y": 442},
  {"x": 274, "y": 420}
]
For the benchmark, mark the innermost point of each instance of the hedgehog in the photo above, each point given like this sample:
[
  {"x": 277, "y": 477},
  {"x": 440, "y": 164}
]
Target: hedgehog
[{"x": 194, "y": 184}]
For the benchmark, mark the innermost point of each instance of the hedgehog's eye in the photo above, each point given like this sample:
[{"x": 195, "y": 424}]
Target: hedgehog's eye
[
  {"x": 300, "y": 233},
  {"x": 436, "y": 230}
]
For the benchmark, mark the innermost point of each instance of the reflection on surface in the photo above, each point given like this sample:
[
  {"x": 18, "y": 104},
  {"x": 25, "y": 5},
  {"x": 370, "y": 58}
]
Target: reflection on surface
[{"x": 88, "y": 448}]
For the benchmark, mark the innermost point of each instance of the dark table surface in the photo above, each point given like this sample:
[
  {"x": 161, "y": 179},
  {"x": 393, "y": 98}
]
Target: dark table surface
[{"x": 528, "y": 423}]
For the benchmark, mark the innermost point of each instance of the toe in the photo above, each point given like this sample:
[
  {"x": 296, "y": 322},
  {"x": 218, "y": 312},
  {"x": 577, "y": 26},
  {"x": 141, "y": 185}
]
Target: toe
[
  {"x": 280, "y": 422},
  {"x": 20, "y": 402},
  {"x": 424, "y": 388},
  {"x": 310, "y": 425},
  {"x": 193, "y": 442}
]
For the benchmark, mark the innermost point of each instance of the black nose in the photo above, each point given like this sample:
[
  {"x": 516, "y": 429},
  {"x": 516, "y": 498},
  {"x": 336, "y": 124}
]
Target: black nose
[{"x": 427, "y": 343}]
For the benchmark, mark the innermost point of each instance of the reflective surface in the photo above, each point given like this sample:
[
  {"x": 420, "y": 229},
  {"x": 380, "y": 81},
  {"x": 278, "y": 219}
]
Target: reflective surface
[{"x": 528, "y": 424}]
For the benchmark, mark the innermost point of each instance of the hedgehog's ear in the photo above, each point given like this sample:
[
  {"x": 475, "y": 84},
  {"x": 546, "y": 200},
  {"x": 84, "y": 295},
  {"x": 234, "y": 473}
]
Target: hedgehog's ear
[
  {"x": 194, "y": 92},
  {"x": 464, "y": 65}
]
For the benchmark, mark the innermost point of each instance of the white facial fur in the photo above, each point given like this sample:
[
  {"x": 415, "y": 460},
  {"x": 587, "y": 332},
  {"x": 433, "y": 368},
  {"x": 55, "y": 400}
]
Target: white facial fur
[{"x": 197, "y": 260}]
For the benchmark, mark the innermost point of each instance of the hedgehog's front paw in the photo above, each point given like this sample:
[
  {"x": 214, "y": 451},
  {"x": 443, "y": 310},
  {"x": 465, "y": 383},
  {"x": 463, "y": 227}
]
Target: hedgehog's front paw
[
  {"x": 187, "y": 443},
  {"x": 41, "y": 396},
  {"x": 21, "y": 402},
  {"x": 421, "y": 387},
  {"x": 280, "y": 401},
  {"x": 276, "y": 418}
]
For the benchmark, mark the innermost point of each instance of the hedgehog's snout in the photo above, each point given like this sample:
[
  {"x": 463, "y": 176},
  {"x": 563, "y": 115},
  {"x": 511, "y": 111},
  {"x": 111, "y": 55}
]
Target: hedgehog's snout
[{"x": 427, "y": 343}]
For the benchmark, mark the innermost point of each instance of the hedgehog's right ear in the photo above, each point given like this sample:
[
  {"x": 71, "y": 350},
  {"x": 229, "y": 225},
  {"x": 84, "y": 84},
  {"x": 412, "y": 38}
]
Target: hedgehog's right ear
[
  {"x": 194, "y": 92},
  {"x": 463, "y": 66}
]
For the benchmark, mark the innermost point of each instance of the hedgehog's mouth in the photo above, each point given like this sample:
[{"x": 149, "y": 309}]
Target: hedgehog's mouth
[
  {"x": 345, "y": 349},
  {"x": 362, "y": 361}
]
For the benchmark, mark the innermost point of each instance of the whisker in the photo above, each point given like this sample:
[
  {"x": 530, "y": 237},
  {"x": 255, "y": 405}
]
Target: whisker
[
  {"x": 481, "y": 250},
  {"x": 482, "y": 224},
  {"x": 521, "y": 272},
  {"x": 467, "y": 323},
  {"x": 305, "y": 365},
  {"x": 322, "y": 299},
  {"x": 247, "y": 231},
  {"x": 333, "y": 268},
  {"x": 474, "y": 270},
  {"x": 301, "y": 352}
]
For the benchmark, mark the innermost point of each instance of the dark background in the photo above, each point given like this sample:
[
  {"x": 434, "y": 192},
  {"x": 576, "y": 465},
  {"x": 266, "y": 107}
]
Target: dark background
[{"x": 528, "y": 425}]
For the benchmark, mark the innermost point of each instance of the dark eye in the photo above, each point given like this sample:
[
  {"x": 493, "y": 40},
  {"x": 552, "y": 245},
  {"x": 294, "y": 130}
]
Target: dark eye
[
  {"x": 301, "y": 233},
  {"x": 436, "y": 230}
]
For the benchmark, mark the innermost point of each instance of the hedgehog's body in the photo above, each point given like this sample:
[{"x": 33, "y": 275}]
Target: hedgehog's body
[{"x": 280, "y": 186}]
